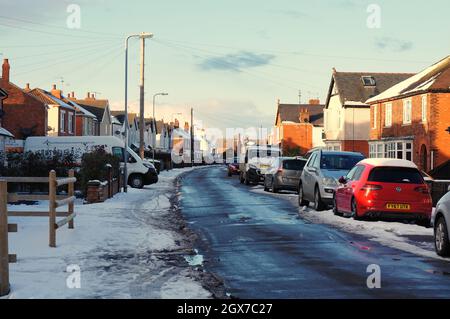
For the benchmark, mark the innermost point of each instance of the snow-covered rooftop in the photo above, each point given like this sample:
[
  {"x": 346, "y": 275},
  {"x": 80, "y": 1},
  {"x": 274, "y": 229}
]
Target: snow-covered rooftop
[
  {"x": 81, "y": 109},
  {"x": 418, "y": 83}
]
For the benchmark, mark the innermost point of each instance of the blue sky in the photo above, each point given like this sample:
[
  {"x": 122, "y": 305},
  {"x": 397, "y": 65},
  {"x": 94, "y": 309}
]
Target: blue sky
[{"x": 230, "y": 60}]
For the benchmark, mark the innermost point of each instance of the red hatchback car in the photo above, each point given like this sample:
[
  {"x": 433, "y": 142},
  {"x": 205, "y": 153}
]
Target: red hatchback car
[{"x": 384, "y": 188}]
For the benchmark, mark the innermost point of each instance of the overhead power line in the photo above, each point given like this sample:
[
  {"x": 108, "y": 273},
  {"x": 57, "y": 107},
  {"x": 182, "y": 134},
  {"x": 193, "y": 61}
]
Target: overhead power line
[{"x": 52, "y": 26}]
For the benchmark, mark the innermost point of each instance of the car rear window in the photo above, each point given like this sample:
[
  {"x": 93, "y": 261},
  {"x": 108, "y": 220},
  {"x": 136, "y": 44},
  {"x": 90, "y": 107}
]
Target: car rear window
[
  {"x": 400, "y": 175},
  {"x": 339, "y": 161},
  {"x": 294, "y": 165}
]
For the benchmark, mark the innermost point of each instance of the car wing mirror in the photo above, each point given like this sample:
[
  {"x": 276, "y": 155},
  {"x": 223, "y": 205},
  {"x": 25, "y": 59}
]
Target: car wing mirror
[{"x": 343, "y": 180}]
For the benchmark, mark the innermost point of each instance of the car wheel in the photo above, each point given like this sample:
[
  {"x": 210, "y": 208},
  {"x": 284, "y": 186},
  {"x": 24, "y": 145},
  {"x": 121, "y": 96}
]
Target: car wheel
[
  {"x": 229, "y": 174},
  {"x": 266, "y": 188},
  {"x": 241, "y": 178},
  {"x": 318, "y": 204},
  {"x": 441, "y": 240},
  {"x": 136, "y": 181},
  {"x": 246, "y": 181},
  {"x": 301, "y": 200},
  {"x": 335, "y": 207},
  {"x": 355, "y": 210},
  {"x": 274, "y": 188}
]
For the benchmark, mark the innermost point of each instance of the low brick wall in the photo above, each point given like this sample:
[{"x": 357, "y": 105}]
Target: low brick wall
[{"x": 97, "y": 192}]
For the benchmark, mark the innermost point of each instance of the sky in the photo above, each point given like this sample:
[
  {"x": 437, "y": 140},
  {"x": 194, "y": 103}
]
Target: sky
[{"x": 229, "y": 60}]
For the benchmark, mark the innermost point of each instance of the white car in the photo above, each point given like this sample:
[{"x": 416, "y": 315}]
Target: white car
[{"x": 441, "y": 222}]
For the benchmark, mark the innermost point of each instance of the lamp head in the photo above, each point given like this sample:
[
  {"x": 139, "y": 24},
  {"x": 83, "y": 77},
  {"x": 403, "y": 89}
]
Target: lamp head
[{"x": 146, "y": 35}]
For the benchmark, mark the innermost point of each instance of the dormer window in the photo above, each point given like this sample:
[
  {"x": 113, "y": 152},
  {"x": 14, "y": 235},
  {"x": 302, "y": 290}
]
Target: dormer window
[{"x": 369, "y": 81}]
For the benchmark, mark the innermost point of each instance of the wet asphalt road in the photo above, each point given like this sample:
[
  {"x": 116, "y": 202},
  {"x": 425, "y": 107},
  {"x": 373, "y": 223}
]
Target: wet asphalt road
[{"x": 261, "y": 248}]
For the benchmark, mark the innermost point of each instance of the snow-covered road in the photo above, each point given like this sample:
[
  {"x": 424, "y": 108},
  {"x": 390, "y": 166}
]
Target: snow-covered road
[{"x": 132, "y": 246}]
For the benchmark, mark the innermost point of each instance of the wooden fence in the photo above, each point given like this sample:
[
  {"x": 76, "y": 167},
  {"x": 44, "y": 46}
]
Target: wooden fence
[{"x": 55, "y": 201}]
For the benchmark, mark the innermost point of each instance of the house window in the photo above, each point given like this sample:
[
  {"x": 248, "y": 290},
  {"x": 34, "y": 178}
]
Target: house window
[
  {"x": 369, "y": 81},
  {"x": 62, "y": 121},
  {"x": 70, "y": 122},
  {"x": 424, "y": 108},
  {"x": 407, "y": 112},
  {"x": 375, "y": 115},
  {"x": 388, "y": 115}
]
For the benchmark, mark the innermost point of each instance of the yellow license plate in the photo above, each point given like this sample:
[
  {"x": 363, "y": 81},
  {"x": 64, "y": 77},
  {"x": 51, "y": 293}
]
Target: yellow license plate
[{"x": 398, "y": 206}]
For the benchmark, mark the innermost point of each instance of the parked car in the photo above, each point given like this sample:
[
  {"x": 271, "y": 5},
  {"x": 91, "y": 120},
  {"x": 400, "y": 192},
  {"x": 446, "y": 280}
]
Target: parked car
[
  {"x": 319, "y": 178},
  {"x": 441, "y": 222},
  {"x": 233, "y": 168},
  {"x": 387, "y": 188},
  {"x": 257, "y": 160},
  {"x": 284, "y": 174},
  {"x": 140, "y": 172}
]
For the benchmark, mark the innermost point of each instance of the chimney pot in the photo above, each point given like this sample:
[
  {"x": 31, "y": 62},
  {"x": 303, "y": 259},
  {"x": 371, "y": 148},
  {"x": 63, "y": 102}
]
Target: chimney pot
[{"x": 5, "y": 71}]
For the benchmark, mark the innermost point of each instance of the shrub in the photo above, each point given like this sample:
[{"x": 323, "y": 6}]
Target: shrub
[{"x": 94, "y": 166}]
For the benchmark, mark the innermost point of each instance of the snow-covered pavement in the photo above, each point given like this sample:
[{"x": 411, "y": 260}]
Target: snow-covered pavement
[
  {"x": 406, "y": 237},
  {"x": 132, "y": 246}
]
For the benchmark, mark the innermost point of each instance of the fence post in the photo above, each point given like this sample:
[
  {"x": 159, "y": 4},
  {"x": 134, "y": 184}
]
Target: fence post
[
  {"x": 110, "y": 181},
  {"x": 4, "y": 255},
  {"x": 52, "y": 208},
  {"x": 71, "y": 191}
]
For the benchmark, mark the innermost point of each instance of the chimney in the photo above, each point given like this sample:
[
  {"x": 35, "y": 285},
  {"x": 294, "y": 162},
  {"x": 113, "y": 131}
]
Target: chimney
[
  {"x": 55, "y": 92},
  {"x": 176, "y": 124},
  {"x": 314, "y": 101},
  {"x": 27, "y": 87},
  {"x": 5, "y": 71},
  {"x": 304, "y": 116}
]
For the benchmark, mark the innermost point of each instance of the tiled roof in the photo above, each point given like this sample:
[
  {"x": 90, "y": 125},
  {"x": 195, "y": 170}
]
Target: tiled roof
[
  {"x": 49, "y": 99},
  {"x": 352, "y": 90},
  {"x": 291, "y": 113}
]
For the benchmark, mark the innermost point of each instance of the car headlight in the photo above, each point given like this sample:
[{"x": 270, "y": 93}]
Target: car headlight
[
  {"x": 148, "y": 165},
  {"x": 253, "y": 166},
  {"x": 329, "y": 182}
]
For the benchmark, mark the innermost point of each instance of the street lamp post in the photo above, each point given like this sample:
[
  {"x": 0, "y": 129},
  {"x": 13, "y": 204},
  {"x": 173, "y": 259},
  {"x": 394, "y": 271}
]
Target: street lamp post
[
  {"x": 154, "y": 121},
  {"x": 143, "y": 35}
]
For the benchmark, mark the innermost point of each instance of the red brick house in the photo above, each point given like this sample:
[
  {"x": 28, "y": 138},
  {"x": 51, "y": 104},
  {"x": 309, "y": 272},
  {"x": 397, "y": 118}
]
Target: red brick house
[
  {"x": 347, "y": 114},
  {"x": 61, "y": 115},
  {"x": 23, "y": 114},
  {"x": 298, "y": 127},
  {"x": 411, "y": 120}
]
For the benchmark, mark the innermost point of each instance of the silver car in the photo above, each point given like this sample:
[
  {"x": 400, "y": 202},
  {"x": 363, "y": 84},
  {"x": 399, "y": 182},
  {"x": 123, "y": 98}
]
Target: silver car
[
  {"x": 284, "y": 174},
  {"x": 441, "y": 222},
  {"x": 320, "y": 176}
]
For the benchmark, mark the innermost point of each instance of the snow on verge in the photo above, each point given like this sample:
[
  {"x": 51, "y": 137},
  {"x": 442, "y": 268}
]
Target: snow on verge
[{"x": 121, "y": 247}]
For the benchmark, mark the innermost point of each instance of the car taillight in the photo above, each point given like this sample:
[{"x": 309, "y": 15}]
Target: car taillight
[
  {"x": 280, "y": 170},
  {"x": 371, "y": 187},
  {"x": 422, "y": 189}
]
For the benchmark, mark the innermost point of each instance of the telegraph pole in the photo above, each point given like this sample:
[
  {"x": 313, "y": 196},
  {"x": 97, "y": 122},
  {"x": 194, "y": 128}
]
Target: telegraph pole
[
  {"x": 142, "y": 107},
  {"x": 192, "y": 137}
]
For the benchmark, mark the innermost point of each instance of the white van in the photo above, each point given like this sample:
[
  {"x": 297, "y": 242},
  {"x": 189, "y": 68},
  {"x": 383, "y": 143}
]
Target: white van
[{"x": 140, "y": 172}]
